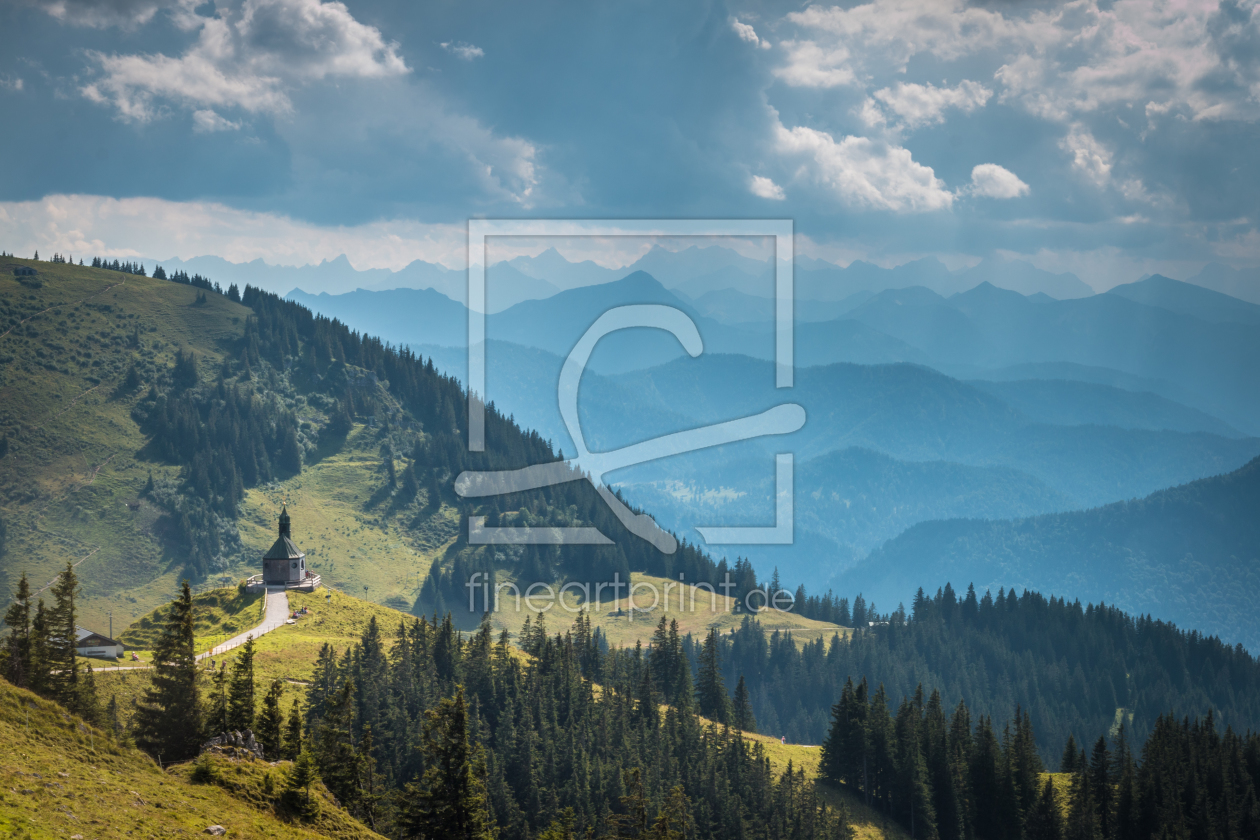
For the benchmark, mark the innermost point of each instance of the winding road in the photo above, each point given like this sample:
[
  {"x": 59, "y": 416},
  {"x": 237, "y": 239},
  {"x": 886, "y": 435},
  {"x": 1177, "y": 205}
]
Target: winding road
[{"x": 275, "y": 612}]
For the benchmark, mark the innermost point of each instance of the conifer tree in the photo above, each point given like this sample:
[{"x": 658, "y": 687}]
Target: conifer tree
[
  {"x": 743, "y": 712},
  {"x": 302, "y": 776},
  {"x": 240, "y": 711},
  {"x": 1082, "y": 818},
  {"x": 270, "y": 725},
  {"x": 335, "y": 751},
  {"x": 66, "y": 674},
  {"x": 293, "y": 731},
  {"x": 449, "y": 800},
  {"x": 168, "y": 719},
  {"x": 711, "y": 698},
  {"x": 39, "y": 676},
  {"x": 217, "y": 711},
  {"x": 1044, "y": 822},
  {"x": 17, "y": 649}
]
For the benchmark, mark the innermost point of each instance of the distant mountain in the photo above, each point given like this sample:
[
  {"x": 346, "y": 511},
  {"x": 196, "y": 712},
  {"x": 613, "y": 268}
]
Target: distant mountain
[
  {"x": 333, "y": 276},
  {"x": 551, "y": 266},
  {"x": 1242, "y": 284},
  {"x": 1025, "y": 278},
  {"x": 674, "y": 268},
  {"x": 1066, "y": 403},
  {"x": 1189, "y": 299},
  {"x": 733, "y": 307},
  {"x": 1188, "y": 554},
  {"x": 395, "y": 315}
]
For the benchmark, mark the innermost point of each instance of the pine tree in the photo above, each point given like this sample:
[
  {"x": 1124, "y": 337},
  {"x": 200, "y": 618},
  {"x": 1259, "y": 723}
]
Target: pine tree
[
  {"x": 1044, "y": 822},
  {"x": 1082, "y": 819},
  {"x": 449, "y": 800},
  {"x": 66, "y": 673},
  {"x": 240, "y": 712},
  {"x": 293, "y": 731},
  {"x": 17, "y": 650},
  {"x": 39, "y": 676},
  {"x": 168, "y": 720},
  {"x": 270, "y": 724},
  {"x": 743, "y": 712},
  {"x": 302, "y": 776},
  {"x": 335, "y": 753},
  {"x": 217, "y": 712},
  {"x": 711, "y": 698}
]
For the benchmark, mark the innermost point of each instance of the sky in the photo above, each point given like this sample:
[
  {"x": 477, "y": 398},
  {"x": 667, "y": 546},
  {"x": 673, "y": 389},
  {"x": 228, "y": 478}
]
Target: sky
[{"x": 1108, "y": 139}]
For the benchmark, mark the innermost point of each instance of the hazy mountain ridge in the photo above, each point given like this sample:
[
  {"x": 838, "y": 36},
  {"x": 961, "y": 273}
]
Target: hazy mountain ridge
[{"x": 1189, "y": 554}]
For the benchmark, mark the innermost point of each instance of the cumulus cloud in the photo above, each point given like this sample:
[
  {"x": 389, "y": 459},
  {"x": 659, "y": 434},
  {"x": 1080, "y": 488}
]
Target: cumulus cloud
[
  {"x": 918, "y": 105},
  {"x": 988, "y": 180},
  {"x": 811, "y": 65},
  {"x": 249, "y": 59},
  {"x": 1089, "y": 157},
  {"x": 467, "y": 52},
  {"x": 765, "y": 188},
  {"x": 747, "y": 34},
  {"x": 864, "y": 173},
  {"x": 104, "y": 13}
]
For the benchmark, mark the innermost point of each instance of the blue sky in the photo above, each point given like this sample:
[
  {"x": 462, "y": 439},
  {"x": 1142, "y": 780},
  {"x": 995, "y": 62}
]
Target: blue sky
[{"x": 1109, "y": 139}]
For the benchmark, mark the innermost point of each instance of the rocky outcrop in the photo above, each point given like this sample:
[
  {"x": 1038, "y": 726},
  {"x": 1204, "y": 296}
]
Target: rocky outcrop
[{"x": 234, "y": 742}]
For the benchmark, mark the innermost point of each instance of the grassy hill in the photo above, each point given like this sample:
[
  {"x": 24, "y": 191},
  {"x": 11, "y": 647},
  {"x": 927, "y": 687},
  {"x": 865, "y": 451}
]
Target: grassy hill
[
  {"x": 74, "y": 458},
  {"x": 60, "y": 777}
]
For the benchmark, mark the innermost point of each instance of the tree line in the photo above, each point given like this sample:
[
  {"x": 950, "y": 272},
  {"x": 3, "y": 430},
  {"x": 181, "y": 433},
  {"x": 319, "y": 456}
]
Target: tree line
[
  {"x": 947, "y": 776},
  {"x": 1072, "y": 667}
]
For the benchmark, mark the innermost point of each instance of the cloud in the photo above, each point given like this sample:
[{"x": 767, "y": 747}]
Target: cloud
[
  {"x": 813, "y": 66},
  {"x": 1089, "y": 157},
  {"x": 151, "y": 227},
  {"x": 14, "y": 83},
  {"x": 864, "y": 173},
  {"x": 765, "y": 188},
  {"x": 467, "y": 52},
  {"x": 105, "y": 13},
  {"x": 206, "y": 120},
  {"x": 918, "y": 105},
  {"x": 251, "y": 59},
  {"x": 988, "y": 180},
  {"x": 747, "y": 34}
]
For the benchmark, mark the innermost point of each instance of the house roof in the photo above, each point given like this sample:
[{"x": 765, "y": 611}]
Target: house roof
[
  {"x": 283, "y": 549},
  {"x": 82, "y": 635}
]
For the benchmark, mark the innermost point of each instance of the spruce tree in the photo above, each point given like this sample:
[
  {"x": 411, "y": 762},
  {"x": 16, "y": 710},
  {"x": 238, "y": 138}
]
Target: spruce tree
[
  {"x": 1044, "y": 822},
  {"x": 449, "y": 800},
  {"x": 168, "y": 719},
  {"x": 39, "y": 676},
  {"x": 293, "y": 731},
  {"x": 743, "y": 712},
  {"x": 711, "y": 698},
  {"x": 240, "y": 711},
  {"x": 62, "y": 635},
  {"x": 270, "y": 725},
  {"x": 335, "y": 751},
  {"x": 1082, "y": 818},
  {"x": 302, "y": 776},
  {"x": 217, "y": 711},
  {"x": 17, "y": 649}
]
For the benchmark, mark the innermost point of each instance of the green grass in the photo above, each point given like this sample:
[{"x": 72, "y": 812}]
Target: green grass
[
  {"x": 60, "y": 777},
  {"x": 76, "y": 457},
  {"x": 218, "y": 615}
]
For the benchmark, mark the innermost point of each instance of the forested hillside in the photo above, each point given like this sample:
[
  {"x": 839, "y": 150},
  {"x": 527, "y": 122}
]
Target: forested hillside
[
  {"x": 1189, "y": 554},
  {"x": 1076, "y": 670}
]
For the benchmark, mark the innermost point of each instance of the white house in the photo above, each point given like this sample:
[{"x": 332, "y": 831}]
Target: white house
[{"x": 87, "y": 643}]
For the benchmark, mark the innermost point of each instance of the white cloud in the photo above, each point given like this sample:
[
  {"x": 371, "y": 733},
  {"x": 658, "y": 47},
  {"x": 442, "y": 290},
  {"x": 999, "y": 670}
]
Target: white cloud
[
  {"x": 918, "y": 105},
  {"x": 249, "y": 59},
  {"x": 989, "y": 180},
  {"x": 467, "y": 52},
  {"x": 206, "y": 120},
  {"x": 1089, "y": 157},
  {"x": 810, "y": 65},
  {"x": 151, "y": 227},
  {"x": 864, "y": 173},
  {"x": 748, "y": 34},
  {"x": 12, "y": 82},
  {"x": 104, "y": 13},
  {"x": 765, "y": 188}
]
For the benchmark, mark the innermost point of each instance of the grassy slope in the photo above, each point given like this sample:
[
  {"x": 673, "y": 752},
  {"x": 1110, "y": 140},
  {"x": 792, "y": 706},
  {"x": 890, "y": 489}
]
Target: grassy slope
[
  {"x": 74, "y": 456},
  {"x": 112, "y": 791}
]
